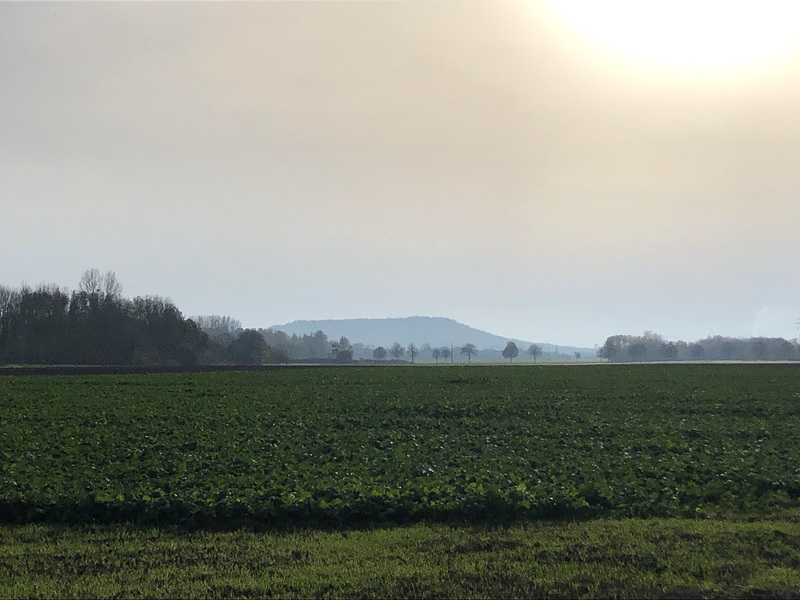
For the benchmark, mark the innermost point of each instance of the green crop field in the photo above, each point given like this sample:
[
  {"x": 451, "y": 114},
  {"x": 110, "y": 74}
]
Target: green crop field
[
  {"x": 365, "y": 446},
  {"x": 359, "y": 448}
]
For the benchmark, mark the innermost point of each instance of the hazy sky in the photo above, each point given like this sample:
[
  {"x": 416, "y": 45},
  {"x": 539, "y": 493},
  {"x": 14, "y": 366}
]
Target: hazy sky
[{"x": 499, "y": 163}]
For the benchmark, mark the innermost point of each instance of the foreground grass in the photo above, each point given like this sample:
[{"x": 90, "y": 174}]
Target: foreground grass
[{"x": 624, "y": 558}]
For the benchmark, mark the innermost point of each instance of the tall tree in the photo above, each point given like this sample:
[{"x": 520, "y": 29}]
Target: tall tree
[
  {"x": 469, "y": 350},
  {"x": 218, "y": 326},
  {"x": 613, "y": 348},
  {"x": 397, "y": 351},
  {"x": 412, "y": 351},
  {"x": 379, "y": 353},
  {"x": 100, "y": 288},
  {"x": 436, "y": 354},
  {"x": 510, "y": 351},
  {"x": 534, "y": 351}
]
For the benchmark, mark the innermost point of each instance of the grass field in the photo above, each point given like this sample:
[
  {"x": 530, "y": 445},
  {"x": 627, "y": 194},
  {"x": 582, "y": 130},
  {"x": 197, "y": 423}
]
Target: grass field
[
  {"x": 626, "y": 558},
  {"x": 482, "y": 480}
]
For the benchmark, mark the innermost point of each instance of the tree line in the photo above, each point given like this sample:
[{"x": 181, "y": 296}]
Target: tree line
[
  {"x": 96, "y": 325},
  {"x": 282, "y": 347},
  {"x": 398, "y": 352},
  {"x": 652, "y": 347}
]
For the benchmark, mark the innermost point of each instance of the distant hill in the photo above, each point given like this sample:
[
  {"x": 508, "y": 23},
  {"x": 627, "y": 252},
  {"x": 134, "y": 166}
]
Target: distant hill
[{"x": 436, "y": 331}]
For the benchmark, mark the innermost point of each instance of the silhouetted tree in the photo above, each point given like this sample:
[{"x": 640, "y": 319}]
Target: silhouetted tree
[
  {"x": 535, "y": 351},
  {"x": 412, "y": 351},
  {"x": 249, "y": 348},
  {"x": 446, "y": 353},
  {"x": 613, "y": 348},
  {"x": 469, "y": 350},
  {"x": 397, "y": 351},
  {"x": 94, "y": 325},
  {"x": 219, "y": 327},
  {"x": 100, "y": 288},
  {"x": 379, "y": 353},
  {"x": 436, "y": 354},
  {"x": 510, "y": 351}
]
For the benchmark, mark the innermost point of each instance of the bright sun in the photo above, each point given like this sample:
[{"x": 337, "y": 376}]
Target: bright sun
[{"x": 699, "y": 35}]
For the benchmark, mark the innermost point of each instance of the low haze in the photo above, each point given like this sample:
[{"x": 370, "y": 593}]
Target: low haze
[{"x": 490, "y": 162}]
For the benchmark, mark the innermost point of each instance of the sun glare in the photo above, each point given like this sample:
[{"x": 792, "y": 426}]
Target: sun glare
[{"x": 686, "y": 34}]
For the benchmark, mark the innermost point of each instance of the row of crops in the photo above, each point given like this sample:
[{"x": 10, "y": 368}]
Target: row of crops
[{"x": 360, "y": 446}]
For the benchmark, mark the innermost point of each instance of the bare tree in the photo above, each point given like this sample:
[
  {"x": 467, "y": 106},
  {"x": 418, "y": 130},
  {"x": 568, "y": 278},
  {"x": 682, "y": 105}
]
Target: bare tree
[
  {"x": 469, "y": 350},
  {"x": 112, "y": 289},
  {"x": 91, "y": 282},
  {"x": 412, "y": 351},
  {"x": 218, "y": 326},
  {"x": 100, "y": 288},
  {"x": 7, "y": 300}
]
